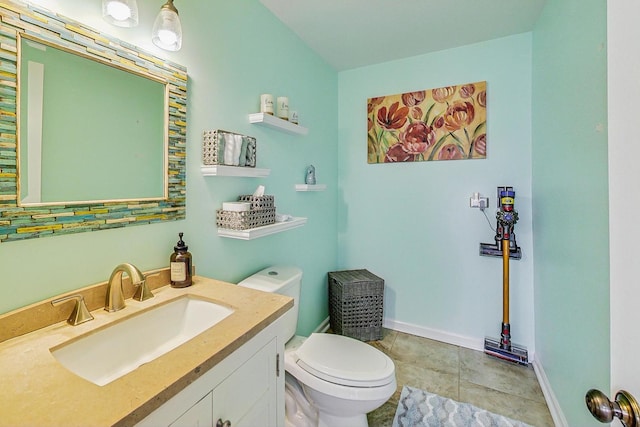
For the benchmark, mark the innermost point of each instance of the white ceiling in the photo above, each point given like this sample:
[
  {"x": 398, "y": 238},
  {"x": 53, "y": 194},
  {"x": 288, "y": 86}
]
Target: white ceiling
[{"x": 354, "y": 33}]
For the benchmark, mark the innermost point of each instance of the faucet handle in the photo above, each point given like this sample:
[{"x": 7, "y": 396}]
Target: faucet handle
[
  {"x": 80, "y": 313},
  {"x": 143, "y": 292}
]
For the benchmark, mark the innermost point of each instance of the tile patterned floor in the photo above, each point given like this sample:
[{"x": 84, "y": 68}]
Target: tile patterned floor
[{"x": 463, "y": 375}]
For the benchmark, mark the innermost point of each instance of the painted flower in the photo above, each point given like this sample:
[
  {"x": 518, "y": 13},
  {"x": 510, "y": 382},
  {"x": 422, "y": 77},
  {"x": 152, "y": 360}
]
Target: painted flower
[
  {"x": 373, "y": 103},
  {"x": 417, "y": 137},
  {"x": 458, "y": 115},
  {"x": 397, "y": 153},
  {"x": 467, "y": 91},
  {"x": 442, "y": 94},
  {"x": 411, "y": 99},
  {"x": 482, "y": 98},
  {"x": 480, "y": 144},
  {"x": 450, "y": 152},
  {"x": 438, "y": 122},
  {"x": 416, "y": 113},
  {"x": 395, "y": 118}
]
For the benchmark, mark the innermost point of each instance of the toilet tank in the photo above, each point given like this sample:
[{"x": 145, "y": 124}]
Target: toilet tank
[{"x": 283, "y": 280}]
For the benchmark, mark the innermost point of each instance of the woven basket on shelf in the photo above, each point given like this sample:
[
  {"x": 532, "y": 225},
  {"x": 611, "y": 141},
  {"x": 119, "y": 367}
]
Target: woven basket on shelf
[
  {"x": 244, "y": 220},
  {"x": 213, "y": 142},
  {"x": 262, "y": 212}
]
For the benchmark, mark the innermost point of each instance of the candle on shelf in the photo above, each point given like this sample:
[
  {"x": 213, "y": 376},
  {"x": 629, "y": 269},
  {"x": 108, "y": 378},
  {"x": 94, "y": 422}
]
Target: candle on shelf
[
  {"x": 283, "y": 107},
  {"x": 266, "y": 103}
]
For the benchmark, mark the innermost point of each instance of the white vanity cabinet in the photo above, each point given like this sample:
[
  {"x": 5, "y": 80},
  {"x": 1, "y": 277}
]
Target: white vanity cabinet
[
  {"x": 248, "y": 396},
  {"x": 200, "y": 414},
  {"x": 246, "y": 389}
]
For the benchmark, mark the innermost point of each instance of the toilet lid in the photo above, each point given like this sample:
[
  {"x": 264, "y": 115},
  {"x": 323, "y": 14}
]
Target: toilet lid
[{"x": 346, "y": 361}]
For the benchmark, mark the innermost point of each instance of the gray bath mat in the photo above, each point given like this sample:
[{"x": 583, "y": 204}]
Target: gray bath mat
[{"x": 419, "y": 408}]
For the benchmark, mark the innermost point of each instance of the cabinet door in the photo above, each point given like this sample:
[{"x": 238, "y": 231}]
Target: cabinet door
[
  {"x": 247, "y": 397},
  {"x": 199, "y": 415}
]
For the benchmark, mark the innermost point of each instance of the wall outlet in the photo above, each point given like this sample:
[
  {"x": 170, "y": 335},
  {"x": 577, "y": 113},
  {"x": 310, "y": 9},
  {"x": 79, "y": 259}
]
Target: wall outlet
[{"x": 478, "y": 201}]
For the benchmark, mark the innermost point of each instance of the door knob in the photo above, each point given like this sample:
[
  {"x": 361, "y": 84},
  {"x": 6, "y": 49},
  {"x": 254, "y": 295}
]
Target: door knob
[
  {"x": 227, "y": 423},
  {"x": 625, "y": 407}
]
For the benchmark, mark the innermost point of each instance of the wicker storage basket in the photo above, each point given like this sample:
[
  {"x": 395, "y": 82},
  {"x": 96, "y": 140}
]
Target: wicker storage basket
[
  {"x": 213, "y": 142},
  {"x": 356, "y": 304},
  {"x": 262, "y": 212},
  {"x": 244, "y": 220}
]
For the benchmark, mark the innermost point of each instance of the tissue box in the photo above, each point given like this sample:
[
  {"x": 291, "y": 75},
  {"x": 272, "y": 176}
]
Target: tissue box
[
  {"x": 258, "y": 202},
  {"x": 213, "y": 146}
]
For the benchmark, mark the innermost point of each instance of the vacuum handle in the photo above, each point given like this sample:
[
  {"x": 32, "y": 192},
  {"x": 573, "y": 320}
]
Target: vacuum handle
[{"x": 505, "y": 282}]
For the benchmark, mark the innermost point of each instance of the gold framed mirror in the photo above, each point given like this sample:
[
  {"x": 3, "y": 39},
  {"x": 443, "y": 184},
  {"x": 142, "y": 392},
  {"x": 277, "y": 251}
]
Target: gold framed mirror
[{"x": 156, "y": 158}]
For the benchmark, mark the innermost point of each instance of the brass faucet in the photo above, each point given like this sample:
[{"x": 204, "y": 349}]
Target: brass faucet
[
  {"x": 115, "y": 297},
  {"x": 80, "y": 313}
]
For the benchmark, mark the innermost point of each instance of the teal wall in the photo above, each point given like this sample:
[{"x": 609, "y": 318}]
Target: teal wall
[
  {"x": 411, "y": 223},
  {"x": 245, "y": 51},
  {"x": 570, "y": 191},
  {"x": 233, "y": 51}
]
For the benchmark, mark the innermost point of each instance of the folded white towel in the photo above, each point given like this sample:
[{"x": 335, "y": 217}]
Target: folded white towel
[
  {"x": 283, "y": 217},
  {"x": 237, "y": 148},
  {"x": 229, "y": 149}
]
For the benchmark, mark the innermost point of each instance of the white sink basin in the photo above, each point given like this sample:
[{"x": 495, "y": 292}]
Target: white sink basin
[{"x": 117, "y": 349}]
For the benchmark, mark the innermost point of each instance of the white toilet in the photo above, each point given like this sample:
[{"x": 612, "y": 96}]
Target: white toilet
[{"x": 332, "y": 380}]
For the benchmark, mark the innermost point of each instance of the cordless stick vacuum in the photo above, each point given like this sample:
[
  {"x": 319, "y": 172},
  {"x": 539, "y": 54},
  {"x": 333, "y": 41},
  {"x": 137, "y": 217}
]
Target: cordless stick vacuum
[{"x": 505, "y": 246}]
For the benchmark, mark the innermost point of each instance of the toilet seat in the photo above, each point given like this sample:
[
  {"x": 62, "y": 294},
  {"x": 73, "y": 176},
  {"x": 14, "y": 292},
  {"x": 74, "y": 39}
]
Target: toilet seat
[{"x": 345, "y": 361}]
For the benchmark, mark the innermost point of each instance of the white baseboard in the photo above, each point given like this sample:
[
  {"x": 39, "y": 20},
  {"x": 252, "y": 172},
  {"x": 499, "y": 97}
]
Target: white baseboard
[
  {"x": 549, "y": 396},
  {"x": 435, "y": 334},
  {"x": 324, "y": 326},
  {"x": 471, "y": 343}
]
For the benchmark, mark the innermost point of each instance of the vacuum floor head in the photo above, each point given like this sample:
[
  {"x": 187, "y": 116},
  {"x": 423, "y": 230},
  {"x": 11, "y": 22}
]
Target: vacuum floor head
[{"x": 514, "y": 353}]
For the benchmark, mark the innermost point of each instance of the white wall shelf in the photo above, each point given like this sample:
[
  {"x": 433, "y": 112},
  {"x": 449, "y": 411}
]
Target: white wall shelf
[
  {"x": 265, "y": 230},
  {"x": 274, "y": 122},
  {"x": 222, "y": 170},
  {"x": 309, "y": 187}
]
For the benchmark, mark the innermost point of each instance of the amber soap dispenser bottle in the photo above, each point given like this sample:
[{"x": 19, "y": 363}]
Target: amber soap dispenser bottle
[{"x": 180, "y": 265}]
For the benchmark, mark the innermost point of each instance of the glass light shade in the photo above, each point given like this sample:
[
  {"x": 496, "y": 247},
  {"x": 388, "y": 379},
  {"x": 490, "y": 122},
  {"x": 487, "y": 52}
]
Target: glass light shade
[
  {"x": 167, "y": 30},
  {"x": 122, "y": 13}
]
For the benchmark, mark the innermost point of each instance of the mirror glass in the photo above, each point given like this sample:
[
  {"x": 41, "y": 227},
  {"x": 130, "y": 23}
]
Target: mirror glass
[
  {"x": 92, "y": 129},
  {"x": 88, "y": 131}
]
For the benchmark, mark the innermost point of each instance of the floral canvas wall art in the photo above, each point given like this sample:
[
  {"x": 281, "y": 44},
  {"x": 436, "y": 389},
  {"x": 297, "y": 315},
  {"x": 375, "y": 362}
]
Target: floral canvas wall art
[{"x": 447, "y": 123}]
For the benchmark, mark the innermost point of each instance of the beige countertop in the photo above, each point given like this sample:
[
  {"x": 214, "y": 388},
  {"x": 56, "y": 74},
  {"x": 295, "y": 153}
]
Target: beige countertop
[{"x": 36, "y": 390}]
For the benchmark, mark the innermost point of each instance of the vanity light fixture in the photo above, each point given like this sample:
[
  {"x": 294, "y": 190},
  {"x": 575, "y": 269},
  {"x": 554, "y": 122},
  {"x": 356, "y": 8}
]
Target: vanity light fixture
[
  {"x": 167, "y": 30},
  {"x": 122, "y": 13}
]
